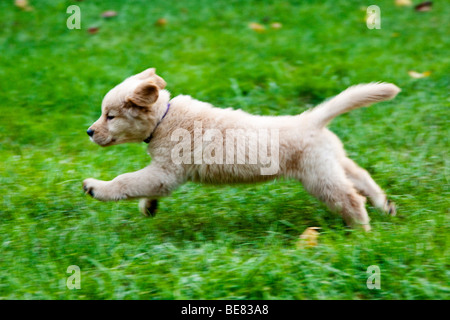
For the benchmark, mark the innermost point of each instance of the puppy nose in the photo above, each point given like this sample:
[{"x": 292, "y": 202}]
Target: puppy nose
[{"x": 90, "y": 132}]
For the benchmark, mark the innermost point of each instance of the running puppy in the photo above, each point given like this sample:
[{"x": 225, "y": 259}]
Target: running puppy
[{"x": 190, "y": 140}]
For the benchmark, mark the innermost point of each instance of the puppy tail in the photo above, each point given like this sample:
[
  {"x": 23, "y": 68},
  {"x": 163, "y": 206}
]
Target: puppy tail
[{"x": 361, "y": 95}]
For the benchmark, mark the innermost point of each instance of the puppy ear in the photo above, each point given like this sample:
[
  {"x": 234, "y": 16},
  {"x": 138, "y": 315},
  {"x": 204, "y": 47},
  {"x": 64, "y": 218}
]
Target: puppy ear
[
  {"x": 146, "y": 73},
  {"x": 159, "y": 81},
  {"x": 152, "y": 76},
  {"x": 145, "y": 94}
]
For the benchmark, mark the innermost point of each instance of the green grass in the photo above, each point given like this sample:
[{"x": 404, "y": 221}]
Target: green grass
[{"x": 220, "y": 242}]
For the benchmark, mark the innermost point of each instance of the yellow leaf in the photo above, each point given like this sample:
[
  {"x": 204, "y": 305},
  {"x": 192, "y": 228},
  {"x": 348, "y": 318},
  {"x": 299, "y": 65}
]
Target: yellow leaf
[
  {"x": 161, "y": 22},
  {"x": 308, "y": 238},
  {"x": 276, "y": 25},
  {"x": 23, "y": 4},
  {"x": 403, "y": 3},
  {"x": 257, "y": 27},
  {"x": 418, "y": 75}
]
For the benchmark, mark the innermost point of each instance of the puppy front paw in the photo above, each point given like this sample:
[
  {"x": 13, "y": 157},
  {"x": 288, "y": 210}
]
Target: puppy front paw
[
  {"x": 100, "y": 190},
  {"x": 148, "y": 207},
  {"x": 390, "y": 208},
  {"x": 89, "y": 186},
  {"x": 104, "y": 190}
]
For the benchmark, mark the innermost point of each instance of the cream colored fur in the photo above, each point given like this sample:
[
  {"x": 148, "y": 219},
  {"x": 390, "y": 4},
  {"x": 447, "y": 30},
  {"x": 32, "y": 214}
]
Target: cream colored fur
[{"x": 308, "y": 152}]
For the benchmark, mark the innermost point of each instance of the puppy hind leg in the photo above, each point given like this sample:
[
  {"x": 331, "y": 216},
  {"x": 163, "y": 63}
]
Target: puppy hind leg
[
  {"x": 364, "y": 183},
  {"x": 340, "y": 196},
  {"x": 350, "y": 205}
]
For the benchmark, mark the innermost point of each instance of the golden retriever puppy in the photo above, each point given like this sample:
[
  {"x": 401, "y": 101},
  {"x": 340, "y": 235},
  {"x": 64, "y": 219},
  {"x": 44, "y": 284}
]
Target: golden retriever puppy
[{"x": 190, "y": 140}]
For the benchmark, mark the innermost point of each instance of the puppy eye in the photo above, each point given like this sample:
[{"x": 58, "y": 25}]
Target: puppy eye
[{"x": 110, "y": 117}]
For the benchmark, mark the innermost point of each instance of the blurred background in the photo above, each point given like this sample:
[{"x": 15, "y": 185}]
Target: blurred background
[{"x": 233, "y": 242}]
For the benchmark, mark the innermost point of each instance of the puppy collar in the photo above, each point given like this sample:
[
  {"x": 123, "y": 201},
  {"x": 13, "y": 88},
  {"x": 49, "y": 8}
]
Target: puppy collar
[{"x": 151, "y": 134}]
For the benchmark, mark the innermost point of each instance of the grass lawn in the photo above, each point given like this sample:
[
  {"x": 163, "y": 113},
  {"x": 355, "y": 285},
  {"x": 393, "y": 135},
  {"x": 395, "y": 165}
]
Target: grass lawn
[{"x": 227, "y": 242}]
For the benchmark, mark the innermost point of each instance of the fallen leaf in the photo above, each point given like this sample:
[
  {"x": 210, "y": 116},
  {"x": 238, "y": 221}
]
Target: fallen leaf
[
  {"x": 308, "y": 238},
  {"x": 418, "y": 75},
  {"x": 403, "y": 3},
  {"x": 424, "y": 6},
  {"x": 23, "y": 4},
  {"x": 257, "y": 27},
  {"x": 93, "y": 30},
  {"x": 161, "y": 22},
  {"x": 109, "y": 14},
  {"x": 276, "y": 25},
  {"x": 395, "y": 34}
]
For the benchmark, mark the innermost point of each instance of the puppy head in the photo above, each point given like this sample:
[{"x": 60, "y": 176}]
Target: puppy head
[{"x": 128, "y": 110}]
